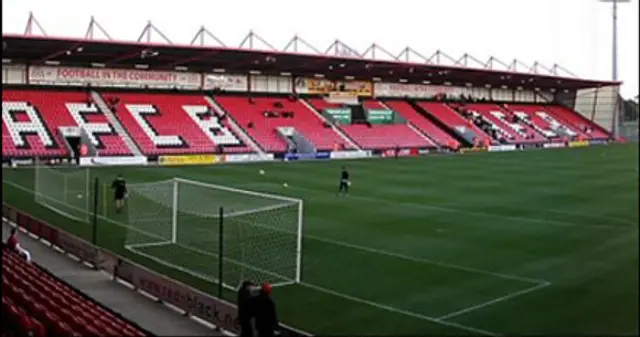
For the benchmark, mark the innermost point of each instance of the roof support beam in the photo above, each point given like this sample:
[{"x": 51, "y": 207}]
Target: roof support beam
[
  {"x": 464, "y": 61},
  {"x": 557, "y": 67},
  {"x": 537, "y": 65},
  {"x": 60, "y": 52},
  {"x": 124, "y": 57},
  {"x": 93, "y": 24},
  {"x": 438, "y": 55},
  {"x": 31, "y": 22},
  {"x": 490, "y": 64},
  {"x": 293, "y": 43},
  {"x": 147, "y": 32},
  {"x": 407, "y": 52},
  {"x": 340, "y": 49},
  {"x": 373, "y": 48},
  {"x": 250, "y": 39},
  {"x": 202, "y": 34},
  {"x": 517, "y": 64}
]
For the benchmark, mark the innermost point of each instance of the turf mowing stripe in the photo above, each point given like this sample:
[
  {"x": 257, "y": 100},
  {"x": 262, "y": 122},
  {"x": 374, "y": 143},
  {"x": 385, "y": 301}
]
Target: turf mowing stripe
[
  {"x": 461, "y": 211},
  {"x": 494, "y": 301},
  {"x": 352, "y": 246}
]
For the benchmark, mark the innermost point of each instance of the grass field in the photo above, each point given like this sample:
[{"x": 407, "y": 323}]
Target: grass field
[{"x": 537, "y": 242}]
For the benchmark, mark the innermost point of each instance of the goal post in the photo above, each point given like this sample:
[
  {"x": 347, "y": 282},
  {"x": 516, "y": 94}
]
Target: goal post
[
  {"x": 178, "y": 223},
  {"x": 64, "y": 190}
]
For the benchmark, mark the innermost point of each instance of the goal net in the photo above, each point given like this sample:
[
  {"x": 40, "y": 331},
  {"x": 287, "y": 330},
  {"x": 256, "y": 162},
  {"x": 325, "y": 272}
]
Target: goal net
[
  {"x": 64, "y": 190},
  {"x": 177, "y": 223}
]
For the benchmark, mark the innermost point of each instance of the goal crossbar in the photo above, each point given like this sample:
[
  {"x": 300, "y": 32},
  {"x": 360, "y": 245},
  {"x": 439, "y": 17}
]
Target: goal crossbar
[{"x": 175, "y": 212}]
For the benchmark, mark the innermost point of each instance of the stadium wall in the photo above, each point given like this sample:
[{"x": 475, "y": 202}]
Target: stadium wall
[{"x": 189, "y": 81}]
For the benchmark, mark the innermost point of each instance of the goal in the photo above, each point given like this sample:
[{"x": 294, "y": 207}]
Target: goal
[
  {"x": 64, "y": 190},
  {"x": 181, "y": 223}
]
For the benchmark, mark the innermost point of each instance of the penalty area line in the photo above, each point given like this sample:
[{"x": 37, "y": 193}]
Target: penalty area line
[
  {"x": 401, "y": 311},
  {"x": 493, "y": 301}
]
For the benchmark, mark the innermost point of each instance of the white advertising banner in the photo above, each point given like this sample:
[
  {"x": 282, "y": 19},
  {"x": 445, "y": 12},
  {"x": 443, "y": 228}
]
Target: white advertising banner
[
  {"x": 350, "y": 154},
  {"x": 383, "y": 89},
  {"x": 502, "y": 148},
  {"x": 226, "y": 82},
  {"x": 113, "y": 77},
  {"x": 248, "y": 157},
  {"x": 554, "y": 145},
  {"x": 113, "y": 161}
]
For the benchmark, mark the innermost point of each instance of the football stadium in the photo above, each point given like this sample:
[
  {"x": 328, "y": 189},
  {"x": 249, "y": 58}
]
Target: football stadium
[{"x": 479, "y": 198}]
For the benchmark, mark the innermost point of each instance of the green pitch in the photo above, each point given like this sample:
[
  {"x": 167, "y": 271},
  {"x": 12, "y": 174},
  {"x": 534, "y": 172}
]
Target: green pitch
[{"x": 537, "y": 242}]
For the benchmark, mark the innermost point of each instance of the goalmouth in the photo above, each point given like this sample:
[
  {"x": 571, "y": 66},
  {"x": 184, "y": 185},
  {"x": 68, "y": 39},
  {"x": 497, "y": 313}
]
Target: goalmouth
[{"x": 216, "y": 233}]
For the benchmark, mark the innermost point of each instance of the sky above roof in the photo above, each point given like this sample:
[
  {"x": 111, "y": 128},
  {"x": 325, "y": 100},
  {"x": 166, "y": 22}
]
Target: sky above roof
[{"x": 575, "y": 34}]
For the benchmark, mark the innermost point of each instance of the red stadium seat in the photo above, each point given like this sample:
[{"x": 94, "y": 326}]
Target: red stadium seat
[
  {"x": 161, "y": 124},
  {"x": 264, "y": 129},
  {"x": 37, "y": 116}
]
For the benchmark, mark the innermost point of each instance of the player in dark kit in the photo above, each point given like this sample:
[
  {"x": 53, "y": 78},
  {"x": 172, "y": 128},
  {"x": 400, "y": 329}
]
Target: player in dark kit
[
  {"x": 120, "y": 188},
  {"x": 344, "y": 181}
]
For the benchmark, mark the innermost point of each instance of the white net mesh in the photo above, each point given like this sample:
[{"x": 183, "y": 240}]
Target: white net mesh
[
  {"x": 64, "y": 190},
  {"x": 177, "y": 223}
]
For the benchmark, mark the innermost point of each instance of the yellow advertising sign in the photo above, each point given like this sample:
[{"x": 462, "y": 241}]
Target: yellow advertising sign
[
  {"x": 201, "y": 159},
  {"x": 581, "y": 143},
  {"x": 317, "y": 86}
]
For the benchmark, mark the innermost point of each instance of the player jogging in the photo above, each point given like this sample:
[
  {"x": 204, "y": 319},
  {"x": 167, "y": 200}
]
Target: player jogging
[
  {"x": 120, "y": 187},
  {"x": 344, "y": 181},
  {"x": 14, "y": 245}
]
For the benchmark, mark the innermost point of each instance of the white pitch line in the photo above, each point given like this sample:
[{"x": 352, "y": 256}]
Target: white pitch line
[
  {"x": 400, "y": 311},
  {"x": 494, "y": 301}
]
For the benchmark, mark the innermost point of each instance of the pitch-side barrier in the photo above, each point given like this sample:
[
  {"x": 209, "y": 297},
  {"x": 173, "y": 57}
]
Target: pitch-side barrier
[{"x": 192, "y": 302}]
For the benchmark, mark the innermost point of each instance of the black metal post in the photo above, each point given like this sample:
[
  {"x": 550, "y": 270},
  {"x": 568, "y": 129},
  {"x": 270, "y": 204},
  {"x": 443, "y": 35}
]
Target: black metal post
[
  {"x": 220, "y": 250},
  {"x": 96, "y": 195}
]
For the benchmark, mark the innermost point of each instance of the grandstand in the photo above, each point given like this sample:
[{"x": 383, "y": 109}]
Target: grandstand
[{"x": 427, "y": 245}]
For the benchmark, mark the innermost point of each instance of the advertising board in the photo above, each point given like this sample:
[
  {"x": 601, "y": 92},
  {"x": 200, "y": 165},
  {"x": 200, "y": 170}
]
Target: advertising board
[
  {"x": 349, "y": 154},
  {"x": 112, "y": 77},
  {"x": 342, "y": 116},
  {"x": 384, "y": 89},
  {"x": 307, "y": 156},
  {"x": 321, "y": 86},
  {"x": 226, "y": 82},
  {"x": 597, "y": 142},
  {"x": 554, "y": 145},
  {"x": 113, "y": 161},
  {"x": 194, "y": 159},
  {"x": 502, "y": 148},
  {"x": 248, "y": 157},
  {"x": 401, "y": 153},
  {"x": 579, "y": 143}
]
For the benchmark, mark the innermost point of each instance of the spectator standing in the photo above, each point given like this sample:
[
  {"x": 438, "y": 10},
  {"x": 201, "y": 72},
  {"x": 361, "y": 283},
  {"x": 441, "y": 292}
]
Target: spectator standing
[
  {"x": 246, "y": 308},
  {"x": 266, "y": 317}
]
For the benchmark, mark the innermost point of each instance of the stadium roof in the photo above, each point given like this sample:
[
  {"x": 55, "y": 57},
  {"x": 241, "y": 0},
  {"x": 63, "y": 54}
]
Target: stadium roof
[{"x": 339, "y": 61}]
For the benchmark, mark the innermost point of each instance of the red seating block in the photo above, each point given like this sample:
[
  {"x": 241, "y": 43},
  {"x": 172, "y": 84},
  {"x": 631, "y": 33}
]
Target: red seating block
[
  {"x": 42, "y": 306},
  {"x": 425, "y": 125},
  {"x": 164, "y": 124},
  {"x": 38, "y": 115},
  {"x": 264, "y": 129}
]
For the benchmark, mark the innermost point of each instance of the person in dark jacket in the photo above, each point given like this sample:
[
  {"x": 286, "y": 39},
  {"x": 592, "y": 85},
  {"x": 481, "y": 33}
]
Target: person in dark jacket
[
  {"x": 246, "y": 308},
  {"x": 266, "y": 317}
]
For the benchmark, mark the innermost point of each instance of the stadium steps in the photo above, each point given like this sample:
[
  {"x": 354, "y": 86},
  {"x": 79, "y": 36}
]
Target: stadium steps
[
  {"x": 438, "y": 123},
  {"x": 244, "y": 137},
  {"x": 413, "y": 127},
  {"x": 335, "y": 128},
  {"x": 102, "y": 105}
]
